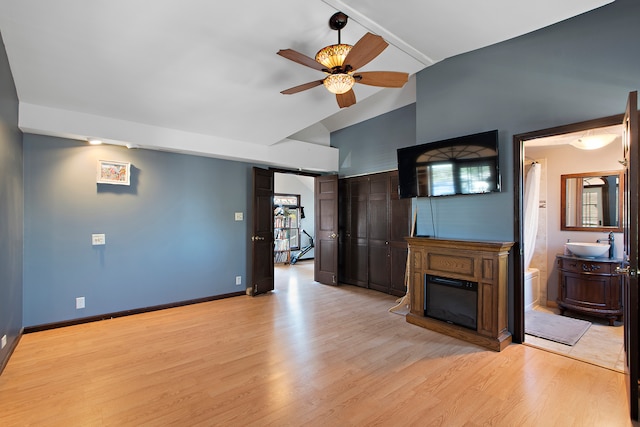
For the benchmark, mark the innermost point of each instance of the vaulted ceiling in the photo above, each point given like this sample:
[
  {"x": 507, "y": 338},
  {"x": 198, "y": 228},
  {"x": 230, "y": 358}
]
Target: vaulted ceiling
[{"x": 203, "y": 77}]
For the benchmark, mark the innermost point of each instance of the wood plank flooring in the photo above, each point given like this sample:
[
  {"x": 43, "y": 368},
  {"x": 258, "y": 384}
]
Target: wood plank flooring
[{"x": 306, "y": 354}]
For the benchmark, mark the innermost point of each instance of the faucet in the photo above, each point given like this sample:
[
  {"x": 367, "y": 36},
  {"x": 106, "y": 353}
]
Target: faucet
[{"x": 610, "y": 240}]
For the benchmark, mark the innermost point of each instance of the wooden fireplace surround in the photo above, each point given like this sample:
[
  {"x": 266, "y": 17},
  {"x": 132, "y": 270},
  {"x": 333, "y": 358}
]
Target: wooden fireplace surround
[{"x": 484, "y": 262}]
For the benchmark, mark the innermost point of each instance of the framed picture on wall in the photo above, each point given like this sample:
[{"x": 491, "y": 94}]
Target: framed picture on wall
[{"x": 110, "y": 172}]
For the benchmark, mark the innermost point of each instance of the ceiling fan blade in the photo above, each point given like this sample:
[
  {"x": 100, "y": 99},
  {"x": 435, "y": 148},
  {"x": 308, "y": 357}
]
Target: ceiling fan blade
[
  {"x": 367, "y": 48},
  {"x": 346, "y": 99},
  {"x": 382, "y": 78},
  {"x": 301, "y": 87},
  {"x": 301, "y": 59}
]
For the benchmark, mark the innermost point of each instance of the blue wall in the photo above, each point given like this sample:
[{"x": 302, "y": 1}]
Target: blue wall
[
  {"x": 370, "y": 146},
  {"x": 170, "y": 236},
  {"x": 580, "y": 69},
  {"x": 11, "y": 210}
]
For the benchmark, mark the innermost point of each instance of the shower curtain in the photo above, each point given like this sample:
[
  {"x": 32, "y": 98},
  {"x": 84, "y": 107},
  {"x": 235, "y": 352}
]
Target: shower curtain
[{"x": 531, "y": 202}]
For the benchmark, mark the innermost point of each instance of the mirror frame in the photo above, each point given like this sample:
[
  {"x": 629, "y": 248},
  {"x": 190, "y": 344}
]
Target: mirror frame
[{"x": 563, "y": 200}]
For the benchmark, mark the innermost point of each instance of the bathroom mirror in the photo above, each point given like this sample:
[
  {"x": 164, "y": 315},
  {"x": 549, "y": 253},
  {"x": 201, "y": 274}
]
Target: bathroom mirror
[{"x": 591, "y": 201}]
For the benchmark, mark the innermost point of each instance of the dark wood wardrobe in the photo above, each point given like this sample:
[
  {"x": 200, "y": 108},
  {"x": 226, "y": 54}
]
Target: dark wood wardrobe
[{"x": 373, "y": 223}]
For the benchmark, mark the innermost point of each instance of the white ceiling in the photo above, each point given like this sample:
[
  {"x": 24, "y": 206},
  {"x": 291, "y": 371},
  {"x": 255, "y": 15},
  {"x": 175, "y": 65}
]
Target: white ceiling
[
  {"x": 203, "y": 77},
  {"x": 568, "y": 138}
]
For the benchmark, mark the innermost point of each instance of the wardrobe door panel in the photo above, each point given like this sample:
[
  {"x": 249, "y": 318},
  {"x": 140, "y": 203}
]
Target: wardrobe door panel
[
  {"x": 359, "y": 261},
  {"x": 398, "y": 261},
  {"x": 378, "y": 208},
  {"x": 400, "y": 228}
]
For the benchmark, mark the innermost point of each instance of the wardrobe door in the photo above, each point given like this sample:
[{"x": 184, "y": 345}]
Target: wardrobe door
[
  {"x": 400, "y": 228},
  {"x": 378, "y": 233},
  {"x": 343, "y": 230},
  {"x": 359, "y": 261},
  {"x": 374, "y": 223}
]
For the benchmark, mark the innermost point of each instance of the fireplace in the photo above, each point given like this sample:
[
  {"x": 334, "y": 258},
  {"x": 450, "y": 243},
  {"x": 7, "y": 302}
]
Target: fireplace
[
  {"x": 451, "y": 300},
  {"x": 459, "y": 288}
]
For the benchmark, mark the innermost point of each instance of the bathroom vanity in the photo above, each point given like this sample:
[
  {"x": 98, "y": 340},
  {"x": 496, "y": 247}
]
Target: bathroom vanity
[{"x": 590, "y": 286}]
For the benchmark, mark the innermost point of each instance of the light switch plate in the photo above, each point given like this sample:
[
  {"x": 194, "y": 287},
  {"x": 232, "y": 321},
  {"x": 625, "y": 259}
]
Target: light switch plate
[
  {"x": 239, "y": 216},
  {"x": 98, "y": 239}
]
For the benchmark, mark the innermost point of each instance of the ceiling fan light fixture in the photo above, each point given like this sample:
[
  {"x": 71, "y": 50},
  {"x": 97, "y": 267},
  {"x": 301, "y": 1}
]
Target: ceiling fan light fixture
[
  {"x": 340, "y": 61},
  {"x": 339, "y": 83},
  {"x": 333, "y": 55}
]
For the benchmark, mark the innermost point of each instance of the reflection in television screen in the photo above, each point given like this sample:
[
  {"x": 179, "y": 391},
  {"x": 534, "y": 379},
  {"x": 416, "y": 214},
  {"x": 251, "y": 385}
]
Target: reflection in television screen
[{"x": 463, "y": 165}]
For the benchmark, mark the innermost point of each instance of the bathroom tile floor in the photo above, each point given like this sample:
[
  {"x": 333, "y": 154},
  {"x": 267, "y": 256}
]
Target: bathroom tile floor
[{"x": 601, "y": 345}]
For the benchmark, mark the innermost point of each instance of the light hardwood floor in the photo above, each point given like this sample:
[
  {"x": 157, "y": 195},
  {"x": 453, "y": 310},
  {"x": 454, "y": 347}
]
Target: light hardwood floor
[{"x": 306, "y": 354}]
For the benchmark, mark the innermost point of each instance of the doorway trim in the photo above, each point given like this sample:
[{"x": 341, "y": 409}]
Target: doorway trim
[{"x": 518, "y": 195}]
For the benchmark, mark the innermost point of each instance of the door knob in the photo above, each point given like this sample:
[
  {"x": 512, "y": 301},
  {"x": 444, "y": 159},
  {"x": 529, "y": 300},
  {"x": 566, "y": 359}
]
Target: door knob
[
  {"x": 622, "y": 270},
  {"x": 333, "y": 235}
]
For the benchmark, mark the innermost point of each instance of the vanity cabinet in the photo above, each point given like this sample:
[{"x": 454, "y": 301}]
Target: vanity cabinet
[{"x": 590, "y": 286}]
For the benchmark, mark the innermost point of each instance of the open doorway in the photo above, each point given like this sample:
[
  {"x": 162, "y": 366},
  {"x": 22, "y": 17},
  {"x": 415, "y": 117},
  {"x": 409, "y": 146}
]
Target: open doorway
[
  {"x": 294, "y": 222},
  {"x": 554, "y": 154},
  {"x": 325, "y": 205}
]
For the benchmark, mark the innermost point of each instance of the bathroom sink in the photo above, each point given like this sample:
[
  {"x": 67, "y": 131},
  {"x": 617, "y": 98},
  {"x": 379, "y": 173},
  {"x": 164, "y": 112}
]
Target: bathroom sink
[{"x": 589, "y": 250}]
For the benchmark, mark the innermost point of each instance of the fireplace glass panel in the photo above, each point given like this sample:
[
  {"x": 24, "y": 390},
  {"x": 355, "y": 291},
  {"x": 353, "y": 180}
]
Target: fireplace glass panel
[{"x": 451, "y": 300}]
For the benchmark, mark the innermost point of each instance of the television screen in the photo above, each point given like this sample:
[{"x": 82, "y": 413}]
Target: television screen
[{"x": 464, "y": 165}]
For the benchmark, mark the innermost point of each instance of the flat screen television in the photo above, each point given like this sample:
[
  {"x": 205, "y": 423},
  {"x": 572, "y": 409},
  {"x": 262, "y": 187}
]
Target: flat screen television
[{"x": 463, "y": 165}]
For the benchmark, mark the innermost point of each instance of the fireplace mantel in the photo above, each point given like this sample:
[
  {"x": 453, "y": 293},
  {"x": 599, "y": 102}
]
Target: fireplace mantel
[{"x": 484, "y": 262}]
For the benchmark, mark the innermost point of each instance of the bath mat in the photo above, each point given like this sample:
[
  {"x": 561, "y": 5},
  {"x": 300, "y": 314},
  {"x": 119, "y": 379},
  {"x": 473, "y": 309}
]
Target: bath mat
[{"x": 554, "y": 327}]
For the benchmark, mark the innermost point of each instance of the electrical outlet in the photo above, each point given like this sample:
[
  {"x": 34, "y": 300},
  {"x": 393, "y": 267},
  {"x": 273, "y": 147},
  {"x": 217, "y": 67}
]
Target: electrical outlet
[
  {"x": 79, "y": 303},
  {"x": 238, "y": 280},
  {"x": 3, "y": 342},
  {"x": 239, "y": 216}
]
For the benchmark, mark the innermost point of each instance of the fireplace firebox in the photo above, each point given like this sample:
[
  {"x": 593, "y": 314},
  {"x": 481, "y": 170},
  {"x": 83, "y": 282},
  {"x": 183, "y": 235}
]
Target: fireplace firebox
[{"x": 451, "y": 300}]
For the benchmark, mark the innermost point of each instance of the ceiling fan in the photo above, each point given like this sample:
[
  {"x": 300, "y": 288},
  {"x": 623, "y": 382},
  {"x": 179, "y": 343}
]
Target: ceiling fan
[{"x": 340, "y": 62}]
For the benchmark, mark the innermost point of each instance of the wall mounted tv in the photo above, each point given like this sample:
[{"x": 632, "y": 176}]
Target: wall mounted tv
[{"x": 463, "y": 165}]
